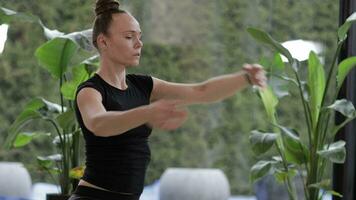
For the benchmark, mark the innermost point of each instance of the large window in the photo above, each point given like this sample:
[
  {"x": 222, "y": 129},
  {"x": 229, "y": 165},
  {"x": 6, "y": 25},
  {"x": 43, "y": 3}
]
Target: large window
[{"x": 184, "y": 41}]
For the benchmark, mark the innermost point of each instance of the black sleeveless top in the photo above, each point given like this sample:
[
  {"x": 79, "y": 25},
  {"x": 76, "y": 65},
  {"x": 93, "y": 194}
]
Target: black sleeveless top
[{"x": 118, "y": 163}]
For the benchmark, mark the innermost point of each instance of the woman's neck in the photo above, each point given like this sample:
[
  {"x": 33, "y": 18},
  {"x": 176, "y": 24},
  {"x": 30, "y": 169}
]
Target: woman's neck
[{"x": 113, "y": 74}]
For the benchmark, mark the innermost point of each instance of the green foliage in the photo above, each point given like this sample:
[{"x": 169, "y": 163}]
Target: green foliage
[
  {"x": 344, "y": 68},
  {"x": 260, "y": 169},
  {"x": 316, "y": 85},
  {"x": 270, "y": 101},
  {"x": 342, "y": 32},
  {"x": 264, "y": 38},
  {"x": 7, "y": 16},
  {"x": 262, "y": 142},
  {"x": 55, "y": 55},
  {"x": 345, "y": 107},
  {"x": 295, "y": 151},
  {"x": 311, "y": 155},
  {"x": 25, "y": 138},
  {"x": 335, "y": 152}
]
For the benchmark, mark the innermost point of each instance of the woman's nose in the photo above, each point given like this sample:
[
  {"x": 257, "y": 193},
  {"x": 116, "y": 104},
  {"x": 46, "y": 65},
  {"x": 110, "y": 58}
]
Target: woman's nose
[{"x": 139, "y": 43}]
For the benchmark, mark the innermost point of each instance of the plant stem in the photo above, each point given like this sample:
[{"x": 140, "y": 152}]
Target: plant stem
[
  {"x": 60, "y": 93},
  {"x": 62, "y": 139},
  {"x": 304, "y": 181},
  {"x": 288, "y": 183},
  {"x": 307, "y": 113}
]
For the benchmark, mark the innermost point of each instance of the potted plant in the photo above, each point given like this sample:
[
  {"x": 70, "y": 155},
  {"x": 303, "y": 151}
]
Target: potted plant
[
  {"x": 55, "y": 56},
  {"x": 305, "y": 154}
]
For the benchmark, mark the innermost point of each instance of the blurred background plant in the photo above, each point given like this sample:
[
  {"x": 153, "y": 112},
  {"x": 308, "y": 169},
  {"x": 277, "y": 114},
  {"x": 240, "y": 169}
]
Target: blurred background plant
[
  {"x": 55, "y": 57},
  {"x": 303, "y": 153}
]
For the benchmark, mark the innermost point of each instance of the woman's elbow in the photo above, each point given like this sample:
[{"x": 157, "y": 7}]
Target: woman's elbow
[{"x": 94, "y": 127}]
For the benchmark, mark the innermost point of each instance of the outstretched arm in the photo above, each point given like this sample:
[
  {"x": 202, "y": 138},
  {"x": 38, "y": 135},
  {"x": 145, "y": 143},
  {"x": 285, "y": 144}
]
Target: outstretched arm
[
  {"x": 161, "y": 114},
  {"x": 211, "y": 90}
]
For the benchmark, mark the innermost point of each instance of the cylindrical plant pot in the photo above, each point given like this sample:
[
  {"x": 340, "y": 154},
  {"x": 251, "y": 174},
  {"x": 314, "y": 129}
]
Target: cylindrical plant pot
[
  {"x": 194, "y": 184},
  {"x": 57, "y": 197},
  {"x": 14, "y": 180}
]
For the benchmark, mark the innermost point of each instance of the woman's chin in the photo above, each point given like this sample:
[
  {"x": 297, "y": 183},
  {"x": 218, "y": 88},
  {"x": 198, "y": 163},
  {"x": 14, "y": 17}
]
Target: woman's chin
[{"x": 135, "y": 63}]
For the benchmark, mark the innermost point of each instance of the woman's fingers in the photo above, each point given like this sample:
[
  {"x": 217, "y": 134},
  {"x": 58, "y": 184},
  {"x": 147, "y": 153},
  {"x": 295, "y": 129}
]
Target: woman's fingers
[
  {"x": 257, "y": 74},
  {"x": 175, "y": 121},
  {"x": 167, "y": 114}
]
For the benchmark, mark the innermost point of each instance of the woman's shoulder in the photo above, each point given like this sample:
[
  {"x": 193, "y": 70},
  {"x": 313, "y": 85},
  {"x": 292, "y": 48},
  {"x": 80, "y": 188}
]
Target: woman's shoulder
[
  {"x": 92, "y": 82},
  {"x": 143, "y": 82},
  {"x": 139, "y": 77}
]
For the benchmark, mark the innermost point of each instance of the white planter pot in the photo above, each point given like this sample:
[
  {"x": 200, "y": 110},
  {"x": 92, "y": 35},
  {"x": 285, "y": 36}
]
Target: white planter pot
[
  {"x": 14, "y": 180},
  {"x": 194, "y": 184}
]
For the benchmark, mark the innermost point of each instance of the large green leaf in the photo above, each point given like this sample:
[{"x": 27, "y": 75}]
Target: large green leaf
[
  {"x": 336, "y": 152},
  {"x": 29, "y": 113},
  {"x": 24, "y": 138},
  {"x": 316, "y": 83},
  {"x": 54, "y": 157},
  {"x": 7, "y": 16},
  {"x": 295, "y": 151},
  {"x": 44, "y": 162},
  {"x": 66, "y": 120},
  {"x": 3, "y": 36},
  {"x": 325, "y": 185},
  {"x": 79, "y": 74},
  {"x": 305, "y": 90},
  {"x": 342, "y": 32},
  {"x": 260, "y": 169},
  {"x": 50, "y": 34},
  {"x": 345, "y": 107},
  {"x": 67, "y": 137},
  {"x": 82, "y": 39},
  {"x": 281, "y": 175},
  {"x": 36, "y": 109},
  {"x": 273, "y": 66},
  {"x": 344, "y": 68},
  {"x": 51, "y": 107},
  {"x": 276, "y": 75},
  {"x": 94, "y": 60},
  {"x": 92, "y": 64},
  {"x": 49, "y": 162},
  {"x": 56, "y": 54},
  {"x": 334, "y": 193},
  {"x": 270, "y": 102},
  {"x": 265, "y": 38},
  {"x": 262, "y": 142}
]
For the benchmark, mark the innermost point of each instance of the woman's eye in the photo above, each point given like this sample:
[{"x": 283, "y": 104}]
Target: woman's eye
[{"x": 128, "y": 37}]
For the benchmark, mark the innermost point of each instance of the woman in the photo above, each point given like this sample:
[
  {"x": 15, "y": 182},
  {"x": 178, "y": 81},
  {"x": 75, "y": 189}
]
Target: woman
[{"x": 117, "y": 111}]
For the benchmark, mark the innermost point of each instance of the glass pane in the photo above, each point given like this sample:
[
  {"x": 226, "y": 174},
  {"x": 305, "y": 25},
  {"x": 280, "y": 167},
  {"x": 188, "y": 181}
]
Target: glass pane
[
  {"x": 185, "y": 41},
  {"x": 190, "y": 41}
]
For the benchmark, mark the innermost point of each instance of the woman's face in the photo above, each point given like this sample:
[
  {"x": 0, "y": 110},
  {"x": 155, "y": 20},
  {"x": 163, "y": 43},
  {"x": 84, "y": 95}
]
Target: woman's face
[{"x": 123, "y": 42}]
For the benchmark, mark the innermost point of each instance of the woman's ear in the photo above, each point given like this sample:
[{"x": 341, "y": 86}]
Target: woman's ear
[{"x": 101, "y": 41}]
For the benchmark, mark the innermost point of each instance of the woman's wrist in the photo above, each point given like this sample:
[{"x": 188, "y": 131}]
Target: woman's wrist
[{"x": 247, "y": 77}]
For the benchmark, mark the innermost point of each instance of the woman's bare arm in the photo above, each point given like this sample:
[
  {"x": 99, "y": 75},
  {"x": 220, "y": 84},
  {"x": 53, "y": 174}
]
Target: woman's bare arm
[
  {"x": 211, "y": 90},
  {"x": 109, "y": 123}
]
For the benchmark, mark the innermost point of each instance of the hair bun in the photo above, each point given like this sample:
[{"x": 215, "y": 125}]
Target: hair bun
[{"x": 103, "y": 6}]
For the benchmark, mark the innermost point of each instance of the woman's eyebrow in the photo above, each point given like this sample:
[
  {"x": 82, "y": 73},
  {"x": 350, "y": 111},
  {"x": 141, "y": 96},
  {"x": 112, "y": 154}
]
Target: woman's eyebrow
[{"x": 132, "y": 31}]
